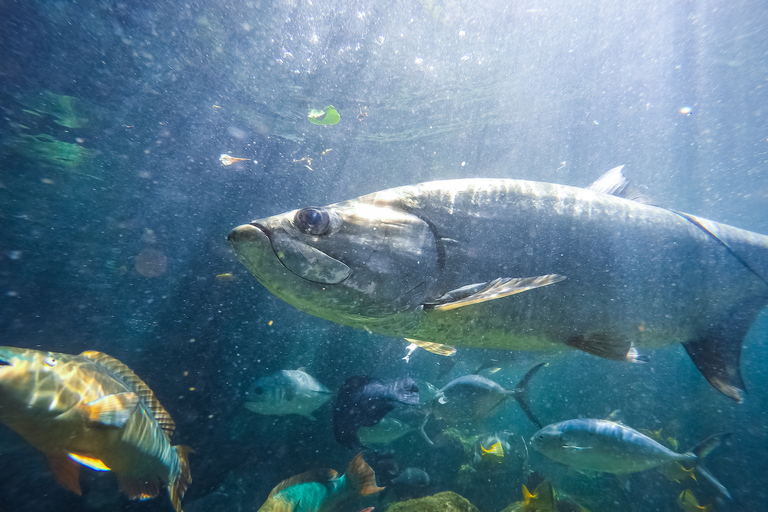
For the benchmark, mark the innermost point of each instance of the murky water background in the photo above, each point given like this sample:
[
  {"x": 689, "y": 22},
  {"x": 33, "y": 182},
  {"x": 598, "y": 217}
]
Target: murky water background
[{"x": 115, "y": 206}]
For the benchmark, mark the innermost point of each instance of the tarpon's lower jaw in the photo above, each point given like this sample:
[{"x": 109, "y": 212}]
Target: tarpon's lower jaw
[{"x": 295, "y": 255}]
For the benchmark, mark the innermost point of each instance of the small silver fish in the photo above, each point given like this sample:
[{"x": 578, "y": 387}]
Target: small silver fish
[
  {"x": 287, "y": 392},
  {"x": 610, "y": 447},
  {"x": 474, "y": 397}
]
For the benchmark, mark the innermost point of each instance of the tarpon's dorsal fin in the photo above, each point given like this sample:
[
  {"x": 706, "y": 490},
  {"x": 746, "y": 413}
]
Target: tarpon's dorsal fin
[
  {"x": 321, "y": 476},
  {"x": 496, "y": 289},
  {"x": 112, "y": 410},
  {"x": 66, "y": 471},
  {"x": 606, "y": 345},
  {"x": 136, "y": 384},
  {"x": 614, "y": 183},
  {"x": 435, "y": 348}
]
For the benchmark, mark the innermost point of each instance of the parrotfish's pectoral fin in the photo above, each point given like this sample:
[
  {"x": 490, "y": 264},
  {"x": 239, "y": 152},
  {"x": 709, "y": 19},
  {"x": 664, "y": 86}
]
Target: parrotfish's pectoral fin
[
  {"x": 112, "y": 410},
  {"x": 89, "y": 462},
  {"x": 496, "y": 289},
  {"x": 435, "y": 348},
  {"x": 607, "y": 346}
]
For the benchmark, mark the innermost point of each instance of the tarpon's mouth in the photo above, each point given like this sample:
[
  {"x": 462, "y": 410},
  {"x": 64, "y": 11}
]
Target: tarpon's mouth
[{"x": 297, "y": 256}]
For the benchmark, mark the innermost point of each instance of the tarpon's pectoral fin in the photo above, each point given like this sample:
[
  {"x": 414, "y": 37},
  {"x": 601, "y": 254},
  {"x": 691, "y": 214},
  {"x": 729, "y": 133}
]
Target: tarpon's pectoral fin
[
  {"x": 66, "y": 471},
  {"x": 496, "y": 289},
  {"x": 112, "y": 410},
  {"x": 607, "y": 346},
  {"x": 717, "y": 353},
  {"x": 435, "y": 348}
]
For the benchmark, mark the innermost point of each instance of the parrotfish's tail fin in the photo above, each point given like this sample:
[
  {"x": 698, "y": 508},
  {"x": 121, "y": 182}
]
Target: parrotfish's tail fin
[
  {"x": 424, "y": 432},
  {"x": 718, "y": 351},
  {"x": 700, "y": 451},
  {"x": 178, "y": 485},
  {"x": 360, "y": 477},
  {"x": 521, "y": 393}
]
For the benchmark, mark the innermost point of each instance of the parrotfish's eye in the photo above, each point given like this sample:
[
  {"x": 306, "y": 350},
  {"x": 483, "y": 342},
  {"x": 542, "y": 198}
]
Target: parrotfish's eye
[
  {"x": 312, "y": 221},
  {"x": 259, "y": 390},
  {"x": 49, "y": 360}
]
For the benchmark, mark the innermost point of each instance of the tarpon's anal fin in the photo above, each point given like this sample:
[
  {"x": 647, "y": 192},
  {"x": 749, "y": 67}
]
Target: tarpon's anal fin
[
  {"x": 717, "y": 352},
  {"x": 496, "y": 289},
  {"x": 607, "y": 346},
  {"x": 112, "y": 410},
  {"x": 66, "y": 471},
  {"x": 614, "y": 183},
  {"x": 435, "y": 348}
]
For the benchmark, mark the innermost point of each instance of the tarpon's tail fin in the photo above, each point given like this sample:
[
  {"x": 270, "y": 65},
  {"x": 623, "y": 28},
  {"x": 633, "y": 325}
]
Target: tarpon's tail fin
[
  {"x": 521, "y": 393},
  {"x": 703, "y": 449},
  {"x": 178, "y": 486},
  {"x": 717, "y": 353}
]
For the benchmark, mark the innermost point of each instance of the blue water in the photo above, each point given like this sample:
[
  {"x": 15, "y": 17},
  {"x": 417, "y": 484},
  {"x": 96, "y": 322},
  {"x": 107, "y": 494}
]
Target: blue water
[{"x": 540, "y": 90}]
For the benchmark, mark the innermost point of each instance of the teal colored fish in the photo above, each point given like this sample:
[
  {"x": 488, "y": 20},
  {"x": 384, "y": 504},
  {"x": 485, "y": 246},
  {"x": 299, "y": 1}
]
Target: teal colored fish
[
  {"x": 605, "y": 446},
  {"x": 322, "y": 490}
]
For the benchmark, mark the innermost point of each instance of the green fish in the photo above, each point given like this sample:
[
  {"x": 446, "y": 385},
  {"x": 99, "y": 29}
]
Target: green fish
[{"x": 322, "y": 490}]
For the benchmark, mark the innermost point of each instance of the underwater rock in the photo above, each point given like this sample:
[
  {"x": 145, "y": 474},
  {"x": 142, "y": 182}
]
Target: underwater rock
[{"x": 442, "y": 502}]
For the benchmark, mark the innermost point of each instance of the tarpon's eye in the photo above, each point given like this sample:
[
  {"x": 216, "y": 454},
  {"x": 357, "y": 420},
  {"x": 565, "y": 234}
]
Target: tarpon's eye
[
  {"x": 312, "y": 221},
  {"x": 49, "y": 360},
  {"x": 259, "y": 390}
]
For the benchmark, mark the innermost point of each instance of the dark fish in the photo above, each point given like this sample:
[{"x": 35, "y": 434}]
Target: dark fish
[
  {"x": 410, "y": 483},
  {"x": 364, "y": 401},
  {"x": 513, "y": 264},
  {"x": 473, "y": 397}
]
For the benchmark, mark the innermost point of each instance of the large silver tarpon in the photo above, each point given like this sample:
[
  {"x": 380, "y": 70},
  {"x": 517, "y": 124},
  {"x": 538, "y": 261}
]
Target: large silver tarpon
[{"x": 445, "y": 262}]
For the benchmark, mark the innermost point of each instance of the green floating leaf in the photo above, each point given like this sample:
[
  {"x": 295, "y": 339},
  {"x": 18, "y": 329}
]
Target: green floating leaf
[{"x": 327, "y": 116}]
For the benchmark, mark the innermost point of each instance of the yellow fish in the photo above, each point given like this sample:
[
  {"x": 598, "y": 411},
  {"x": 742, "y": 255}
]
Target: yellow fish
[
  {"x": 541, "y": 500},
  {"x": 92, "y": 410},
  {"x": 495, "y": 452},
  {"x": 688, "y": 502}
]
